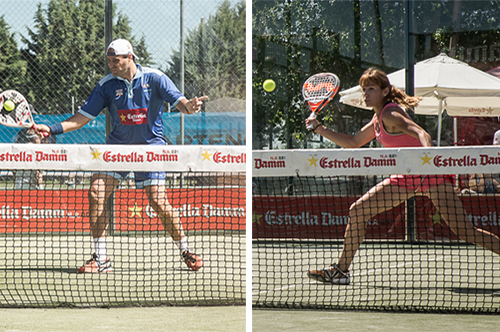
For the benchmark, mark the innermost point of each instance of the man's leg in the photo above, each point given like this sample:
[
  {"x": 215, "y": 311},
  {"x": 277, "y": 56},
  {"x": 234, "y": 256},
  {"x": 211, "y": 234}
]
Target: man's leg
[
  {"x": 101, "y": 187},
  {"x": 157, "y": 198},
  {"x": 171, "y": 221}
]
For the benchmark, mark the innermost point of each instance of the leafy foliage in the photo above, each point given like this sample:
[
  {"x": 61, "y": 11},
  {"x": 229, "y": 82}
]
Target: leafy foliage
[
  {"x": 293, "y": 39},
  {"x": 214, "y": 55},
  {"x": 65, "y": 53},
  {"x": 12, "y": 67}
]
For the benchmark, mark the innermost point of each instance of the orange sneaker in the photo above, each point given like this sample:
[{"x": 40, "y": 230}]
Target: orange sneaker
[
  {"x": 94, "y": 266},
  {"x": 193, "y": 261}
]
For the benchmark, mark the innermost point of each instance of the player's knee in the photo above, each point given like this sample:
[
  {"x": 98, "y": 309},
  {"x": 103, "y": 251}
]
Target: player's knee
[
  {"x": 95, "y": 196},
  {"x": 354, "y": 210},
  {"x": 158, "y": 203},
  {"x": 92, "y": 195},
  {"x": 165, "y": 210},
  {"x": 168, "y": 210}
]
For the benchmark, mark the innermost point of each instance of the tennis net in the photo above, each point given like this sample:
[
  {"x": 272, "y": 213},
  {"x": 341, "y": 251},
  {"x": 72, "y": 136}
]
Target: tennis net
[
  {"x": 45, "y": 232},
  {"x": 410, "y": 259}
]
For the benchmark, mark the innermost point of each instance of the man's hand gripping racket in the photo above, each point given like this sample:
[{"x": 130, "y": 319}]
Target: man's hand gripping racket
[
  {"x": 16, "y": 112},
  {"x": 318, "y": 90}
]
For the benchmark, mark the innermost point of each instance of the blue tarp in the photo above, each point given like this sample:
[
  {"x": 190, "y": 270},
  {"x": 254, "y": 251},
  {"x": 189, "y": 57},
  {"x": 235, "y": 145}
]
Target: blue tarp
[{"x": 224, "y": 128}]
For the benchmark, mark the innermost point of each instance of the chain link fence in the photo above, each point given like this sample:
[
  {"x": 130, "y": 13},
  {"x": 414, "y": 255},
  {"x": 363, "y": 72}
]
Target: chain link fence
[{"x": 53, "y": 53}]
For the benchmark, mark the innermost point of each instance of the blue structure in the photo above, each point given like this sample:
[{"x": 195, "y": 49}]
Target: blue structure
[{"x": 221, "y": 128}]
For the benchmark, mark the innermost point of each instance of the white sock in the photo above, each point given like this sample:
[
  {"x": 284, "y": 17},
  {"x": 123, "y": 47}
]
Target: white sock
[
  {"x": 182, "y": 245},
  {"x": 100, "y": 248}
]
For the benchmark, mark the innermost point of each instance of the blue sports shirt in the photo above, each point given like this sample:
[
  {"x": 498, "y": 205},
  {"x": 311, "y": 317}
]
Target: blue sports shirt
[{"x": 135, "y": 108}]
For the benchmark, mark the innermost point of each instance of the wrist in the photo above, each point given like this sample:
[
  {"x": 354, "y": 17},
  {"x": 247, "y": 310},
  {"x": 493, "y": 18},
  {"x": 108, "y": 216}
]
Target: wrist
[
  {"x": 56, "y": 129},
  {"x": 187, "y": 107},
  {"x": 322, "y": 131}
]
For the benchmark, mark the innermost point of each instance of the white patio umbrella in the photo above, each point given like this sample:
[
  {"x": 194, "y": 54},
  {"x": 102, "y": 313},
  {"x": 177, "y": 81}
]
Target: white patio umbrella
[{"x": 444, "y": 84}]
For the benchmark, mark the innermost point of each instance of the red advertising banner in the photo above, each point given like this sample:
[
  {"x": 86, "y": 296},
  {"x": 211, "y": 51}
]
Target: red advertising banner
[
  {"x": 32, "y": 211},
  {"x": 325, "y": 217},
  {"x": 318, "y": 217},
  {"x": 41, "y": 211},
  {"x": 199, "y": 210}
]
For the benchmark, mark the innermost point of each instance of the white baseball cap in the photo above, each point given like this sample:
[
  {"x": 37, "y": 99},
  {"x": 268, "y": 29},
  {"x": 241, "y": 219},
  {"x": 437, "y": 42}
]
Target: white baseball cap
[
  {"x": 120, "y": 47},
  {"x": 496, "y": 138}
]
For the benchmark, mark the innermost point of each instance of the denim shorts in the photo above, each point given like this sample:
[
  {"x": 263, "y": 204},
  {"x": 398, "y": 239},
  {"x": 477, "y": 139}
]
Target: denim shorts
[{"x": 142, "y": 179}]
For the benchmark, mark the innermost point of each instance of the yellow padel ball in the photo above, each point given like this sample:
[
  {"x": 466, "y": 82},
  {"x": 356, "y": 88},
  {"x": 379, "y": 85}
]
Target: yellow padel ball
[{"x": 269, "y": 85}]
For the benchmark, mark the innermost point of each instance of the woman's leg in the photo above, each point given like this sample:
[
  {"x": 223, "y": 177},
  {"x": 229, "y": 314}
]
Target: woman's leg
[
  {"x": 380, "y": 198},
  {"x": 452, "y": 211}
]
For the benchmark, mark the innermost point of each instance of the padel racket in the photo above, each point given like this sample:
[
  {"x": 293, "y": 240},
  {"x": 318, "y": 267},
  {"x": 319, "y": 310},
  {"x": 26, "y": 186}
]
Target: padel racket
[
  {"x": 318, "y": 90},
  {"x": 15, "y": 111}
]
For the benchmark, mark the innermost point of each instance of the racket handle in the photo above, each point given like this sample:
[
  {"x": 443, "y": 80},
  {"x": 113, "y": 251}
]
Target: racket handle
[
  {"x": 311, "y": 117},
  {"x": 43, "y": 133}
]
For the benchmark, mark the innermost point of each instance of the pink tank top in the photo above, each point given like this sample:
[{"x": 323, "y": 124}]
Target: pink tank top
[{"x": 388, "y": 140}]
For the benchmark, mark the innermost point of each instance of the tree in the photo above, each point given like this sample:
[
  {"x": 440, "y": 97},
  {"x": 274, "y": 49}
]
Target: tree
[
  {"x": 12, "y": 67},
  {"x": 214, "y": 55},
  {"x": 65, "y": 53}
]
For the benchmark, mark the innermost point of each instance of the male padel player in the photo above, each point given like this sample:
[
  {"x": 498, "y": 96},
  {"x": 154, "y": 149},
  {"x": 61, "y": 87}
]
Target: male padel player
[{"x": 130, "y": 90}]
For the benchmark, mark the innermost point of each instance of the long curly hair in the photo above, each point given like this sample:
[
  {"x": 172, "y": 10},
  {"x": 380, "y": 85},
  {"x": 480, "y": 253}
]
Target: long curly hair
[{"x": 379, "y": 78}]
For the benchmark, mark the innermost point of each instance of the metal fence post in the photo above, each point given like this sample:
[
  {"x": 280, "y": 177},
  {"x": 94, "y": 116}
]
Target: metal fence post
[
  {"x": 181, "y": 83},
  {"x": 108, "y": 38}
]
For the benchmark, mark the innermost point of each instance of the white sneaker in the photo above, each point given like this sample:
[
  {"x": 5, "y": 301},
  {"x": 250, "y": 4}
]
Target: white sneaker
[
  {"x": 332, "y": 274},
  {"x": 193, "y": 261},
  {"x": 94, "y": 266}
]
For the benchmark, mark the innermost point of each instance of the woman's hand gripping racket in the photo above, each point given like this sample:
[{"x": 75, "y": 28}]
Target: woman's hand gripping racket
[
  {"x": 16, "y": 112},
  {"x": 318, "y": 90}
]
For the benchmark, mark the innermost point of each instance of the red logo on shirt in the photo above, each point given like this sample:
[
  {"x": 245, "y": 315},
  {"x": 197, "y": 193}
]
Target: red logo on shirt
[{"x": 133, "y": 116}]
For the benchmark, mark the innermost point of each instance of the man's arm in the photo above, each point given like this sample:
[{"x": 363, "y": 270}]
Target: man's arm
[
  {"x": 191, "y": 106},
  {"x": 75, "y": 122}
]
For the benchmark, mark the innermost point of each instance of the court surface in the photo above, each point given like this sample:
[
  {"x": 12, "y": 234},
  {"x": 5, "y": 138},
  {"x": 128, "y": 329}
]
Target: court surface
[
  {"x": 350, "y": 321},
  {"x": 40, "y": 271},
  {"x": 153, "y": 319},
  {"x": 391, "y": 277}
]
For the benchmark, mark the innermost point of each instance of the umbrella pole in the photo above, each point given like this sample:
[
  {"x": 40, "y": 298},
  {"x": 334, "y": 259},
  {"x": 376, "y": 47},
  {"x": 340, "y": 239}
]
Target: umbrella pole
[
  {"x": 440, "y": 118},
  {"x": 455, "y": 135}
]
